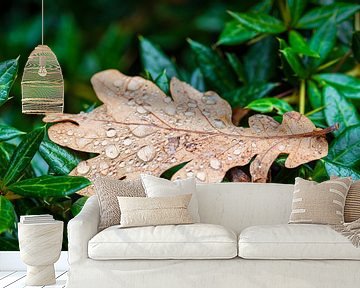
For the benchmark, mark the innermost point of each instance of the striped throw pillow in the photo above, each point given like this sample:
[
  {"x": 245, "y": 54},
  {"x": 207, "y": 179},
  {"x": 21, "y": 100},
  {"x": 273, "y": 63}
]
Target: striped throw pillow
[
  {"x": 319, "y": 203},
  {"x": 352, "y": 203}
]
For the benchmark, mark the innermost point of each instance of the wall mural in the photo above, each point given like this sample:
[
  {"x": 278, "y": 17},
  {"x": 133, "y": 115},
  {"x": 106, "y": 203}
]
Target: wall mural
[{"x": 139, "y": 129}]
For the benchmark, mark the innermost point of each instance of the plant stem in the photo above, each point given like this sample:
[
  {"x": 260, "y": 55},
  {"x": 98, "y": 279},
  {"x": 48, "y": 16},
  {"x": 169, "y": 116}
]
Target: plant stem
[
  {"x": 302, "y": 97},
  {"x": 283, "y": 94},
  {"x": 256, "y": 39},
  {"x": 357, "y": 21},
  {"x": 284, "y": 11}
]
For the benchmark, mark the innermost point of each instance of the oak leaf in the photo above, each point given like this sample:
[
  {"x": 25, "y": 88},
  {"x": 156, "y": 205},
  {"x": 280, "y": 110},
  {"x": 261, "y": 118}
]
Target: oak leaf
[{"x": 141, "y": 130}]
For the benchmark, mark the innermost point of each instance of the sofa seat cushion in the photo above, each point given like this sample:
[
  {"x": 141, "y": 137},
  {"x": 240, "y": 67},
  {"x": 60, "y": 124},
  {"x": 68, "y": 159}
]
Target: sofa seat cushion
[
  {"x": 191, "y": 241},
  {"x": 295, "y": 241}
]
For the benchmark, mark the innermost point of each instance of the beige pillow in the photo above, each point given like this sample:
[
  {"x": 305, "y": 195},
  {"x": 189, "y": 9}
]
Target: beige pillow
[
  {"x": 320, "y": 203},
  {"x": 352, "y": 203},
  {"x": 107, "y": 189},
  {"x": 139, "y": 211},
  {"x": 159, "y": 187}
]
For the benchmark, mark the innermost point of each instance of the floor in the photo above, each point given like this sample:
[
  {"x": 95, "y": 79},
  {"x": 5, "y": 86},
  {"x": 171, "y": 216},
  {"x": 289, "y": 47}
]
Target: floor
[{"x": 16, "y": 279}]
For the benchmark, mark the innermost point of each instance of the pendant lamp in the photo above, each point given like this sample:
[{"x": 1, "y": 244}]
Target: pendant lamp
[{"x": 42, "y": 83}]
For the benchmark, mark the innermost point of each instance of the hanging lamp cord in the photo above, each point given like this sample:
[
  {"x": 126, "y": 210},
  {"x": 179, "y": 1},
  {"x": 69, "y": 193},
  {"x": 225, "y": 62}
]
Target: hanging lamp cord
[{"x": 42, "y": 22}]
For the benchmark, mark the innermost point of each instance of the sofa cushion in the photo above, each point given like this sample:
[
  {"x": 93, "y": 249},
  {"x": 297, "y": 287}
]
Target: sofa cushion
[
  {"x": 295, "y": 241},
  {"x": 192, "y": 241}
]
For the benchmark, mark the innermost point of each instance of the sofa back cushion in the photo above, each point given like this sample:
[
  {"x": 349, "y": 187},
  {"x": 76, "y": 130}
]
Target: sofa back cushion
[{"x": 239, "y": 205}]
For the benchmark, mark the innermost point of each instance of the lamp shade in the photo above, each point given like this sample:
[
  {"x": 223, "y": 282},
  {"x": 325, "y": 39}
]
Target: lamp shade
[{"x": 42, "y": 83}]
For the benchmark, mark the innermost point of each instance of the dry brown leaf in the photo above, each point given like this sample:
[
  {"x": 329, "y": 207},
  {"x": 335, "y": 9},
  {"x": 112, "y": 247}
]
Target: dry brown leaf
[{"x": 141, "y": 130}]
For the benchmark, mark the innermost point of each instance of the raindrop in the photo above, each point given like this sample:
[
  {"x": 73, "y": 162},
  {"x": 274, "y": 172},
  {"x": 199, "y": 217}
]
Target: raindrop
[
  {"x": 70, "y": 132},
  {"x": 111, "y": 151},
  {"x": 237, "y": 151},
  {"x": 167, "y": 99},
  {"x": 111, "y": 132},
  {"x": 131, "y": 102},
  {"x": 189, "y": 113},
  {"x": 141, "y": 110},
  {"x": 219, "y": 123},
  {"x": 215, "y": 163},
  {"x": 142, "y": 131},
  {"x": 118, "y": 83},
  {"x": 281, "y": 147},
  {"x": 146, "y": 153},
  {"x": 170, "y": 110},
  {"x": 134, "y": 84},
  {"x": 82, "y": 142},
  {"x": 83, "y": 168},
  {"x": 127, "y": 141},
  {"x": 201, "y": 176}
]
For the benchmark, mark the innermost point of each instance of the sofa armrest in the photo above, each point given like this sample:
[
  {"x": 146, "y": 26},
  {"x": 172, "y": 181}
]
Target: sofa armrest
[{"x": 82, "y": 228}]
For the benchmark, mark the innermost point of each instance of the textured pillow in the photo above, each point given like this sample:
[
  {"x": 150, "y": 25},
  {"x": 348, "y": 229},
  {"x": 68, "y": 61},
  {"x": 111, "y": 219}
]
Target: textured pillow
[
  {"x": 140, "y": 211},
  {"x": 319, "y": 203},
  {"x": 107, "y": 189},
  {"x": 159, "y": 187},
  {"x": 352, "y": 203}
]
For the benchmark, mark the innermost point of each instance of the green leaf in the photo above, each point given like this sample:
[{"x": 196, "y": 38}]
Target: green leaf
[
  {"x": 7, "y": 215},
  {"x": 345, "y": 149},
  {"x": 299, "y": 45},
  {"x": 317, "y": 16},
  {"x": 8, "y": 242},
  {"x": 8, "y": 132},
  {"x": 171, "y": 171},
  {"x": 154, "y": 59},
  {"x": 112, "y": 46},
  {"x": 336, "y": 169},
  {"x": 260, "y": 22},
  {"x": 215, "y": 70},
  {"x": 49, "y": 186},
  {"x": 294, "y": 61},
  {"x": 355, "y": 45},
  {"x": 234, "y": 34},
  {"x": 288, "y": 71},
  {"x": 259, "y": 62},
  {"x": 314, "y": 94},
  {"x": 318, "y": 119},
  {"x": 197, "y": 80},
  {"x": 296, "y": 8},
  {"x": 23, "y": 154},
  {"x": 8, "y": 73},
  {"x": 162, "y": 82},
  {"x": 236, "y": 65},
  {"x": 267, "y": 105},
  {"x": 78, "y": 205},
  {"x": 244, "y": 95},
  {"x": 60, "y": 159},
  {"x": 339, "y": 110},
  {"x": 349, "y": 86},
  {"x": 6, "y": 150},
  {"x": 323, "y": 42}
]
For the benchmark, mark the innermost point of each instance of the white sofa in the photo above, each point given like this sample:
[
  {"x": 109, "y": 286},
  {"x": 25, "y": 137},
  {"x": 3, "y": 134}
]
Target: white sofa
[{"x": 277, "y": 254}]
